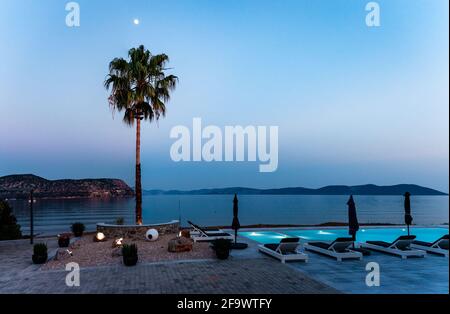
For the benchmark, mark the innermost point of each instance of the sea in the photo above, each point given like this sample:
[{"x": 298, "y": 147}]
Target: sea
[{"x": 53, "y": 216}]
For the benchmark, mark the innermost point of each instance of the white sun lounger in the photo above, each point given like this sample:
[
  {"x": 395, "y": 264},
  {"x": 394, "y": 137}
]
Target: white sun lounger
[
  {"x": 401, "y": 247},
  {"x": 286, "y": 250},
  {"x": 339, "y": 249},
  {"x": 440, "y": 246},
  {"x": 206, "y": 236},
  {"x": 196, "y": 229}
]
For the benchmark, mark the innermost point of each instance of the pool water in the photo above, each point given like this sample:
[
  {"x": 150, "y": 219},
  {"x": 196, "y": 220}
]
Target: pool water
[{"x": 364, "y": 234}]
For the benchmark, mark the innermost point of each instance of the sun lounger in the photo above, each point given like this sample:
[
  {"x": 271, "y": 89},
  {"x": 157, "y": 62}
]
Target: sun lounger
[
  {"x": 401, "y": 247},
  {"x": 196, "y": 229},
  {"x": 339, "y": 249},
  {"x": 207, "y": 236},
  {"x": 440, "y": 246},
  {"x": 286, "y": 250}
]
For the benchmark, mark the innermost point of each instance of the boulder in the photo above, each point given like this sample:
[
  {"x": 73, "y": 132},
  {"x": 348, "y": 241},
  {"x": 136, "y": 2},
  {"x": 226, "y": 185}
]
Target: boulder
[
  {"x": 185, "y": 233},
  {"x": 180, "y": 245}
]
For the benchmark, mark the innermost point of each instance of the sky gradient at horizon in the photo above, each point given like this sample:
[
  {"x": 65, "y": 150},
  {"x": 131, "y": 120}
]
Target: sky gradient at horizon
[{"x": 354, "y": 105}]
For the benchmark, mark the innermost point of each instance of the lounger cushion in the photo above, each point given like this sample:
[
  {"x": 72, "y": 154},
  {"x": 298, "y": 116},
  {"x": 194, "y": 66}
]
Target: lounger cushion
[
  {"x": 428, "y": 244},
  {"x": 386, "y": 244},
  {"x": 444, "y": 245},
  {"x": 442, "y": 242},
  {"x": 272, "y": 246},
  {"x": 322, "y": 245},
  {"x": 222, "y": 234},
  {"x": 281, "y": 250},
  {"x": 206, "y": 229},
  {"x": 341, "y": 245},
  {"x": 380, "y": 243},
  {"x": 209, "y": 229},
  {"x": 285, "y": 247}
]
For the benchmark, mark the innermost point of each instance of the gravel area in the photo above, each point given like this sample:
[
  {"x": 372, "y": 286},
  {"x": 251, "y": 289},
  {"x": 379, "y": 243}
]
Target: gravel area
[{"x": 86, "y": 252}]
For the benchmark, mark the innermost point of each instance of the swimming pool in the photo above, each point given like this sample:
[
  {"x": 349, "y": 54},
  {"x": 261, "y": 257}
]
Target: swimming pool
[{"x": 364, "y": 234}]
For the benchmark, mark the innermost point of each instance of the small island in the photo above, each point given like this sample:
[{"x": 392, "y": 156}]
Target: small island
[{"x": 18, "y": 186}]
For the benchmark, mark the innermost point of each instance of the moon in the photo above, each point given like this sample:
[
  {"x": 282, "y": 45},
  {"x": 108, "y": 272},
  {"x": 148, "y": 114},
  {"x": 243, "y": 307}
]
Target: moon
[{"x": 136, "y": 21}]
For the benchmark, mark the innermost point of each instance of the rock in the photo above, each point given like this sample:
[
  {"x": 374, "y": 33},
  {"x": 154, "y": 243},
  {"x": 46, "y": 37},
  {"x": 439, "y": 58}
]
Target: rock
[
  {"x": 181, "y": 244},
  {"x": 185, "y": 233}
]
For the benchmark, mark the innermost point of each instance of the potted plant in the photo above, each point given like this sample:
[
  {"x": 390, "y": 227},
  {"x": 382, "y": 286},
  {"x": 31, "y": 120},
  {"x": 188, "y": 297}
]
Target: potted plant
[
  {"x": 129, "y": 254},
  {"x": 222, "y": 248},
  {"x": 78, "y": 229},
  {"x": 64, "y": 240},
  {"x": 39, "y": 253}
]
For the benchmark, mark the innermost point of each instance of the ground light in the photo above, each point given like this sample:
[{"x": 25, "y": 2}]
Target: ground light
[{"x": 99, "y": 237}]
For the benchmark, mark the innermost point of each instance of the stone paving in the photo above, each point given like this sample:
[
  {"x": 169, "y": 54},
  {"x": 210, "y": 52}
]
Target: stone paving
[
  {"x": 15, "y": 257},
  {"x": 429, "y": 275},
  {"x": 247, "y": 271},
  {"x": 240, "y": 274}
]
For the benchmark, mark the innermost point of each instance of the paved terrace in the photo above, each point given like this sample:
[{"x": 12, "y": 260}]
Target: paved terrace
[{"x": 247, "y": 273}]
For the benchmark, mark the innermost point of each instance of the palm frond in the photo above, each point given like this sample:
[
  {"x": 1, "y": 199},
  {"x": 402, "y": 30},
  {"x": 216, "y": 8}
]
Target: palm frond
[{"x": 140, "y": 86}]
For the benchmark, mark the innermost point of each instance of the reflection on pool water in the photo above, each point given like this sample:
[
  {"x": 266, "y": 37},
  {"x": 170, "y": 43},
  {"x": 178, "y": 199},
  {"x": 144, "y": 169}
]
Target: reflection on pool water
[{"x": 364, "y": 234}]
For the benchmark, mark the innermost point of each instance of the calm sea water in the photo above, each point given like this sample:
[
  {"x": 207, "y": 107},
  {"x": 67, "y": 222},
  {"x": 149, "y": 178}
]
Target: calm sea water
[{"x": 54, "y": 216}]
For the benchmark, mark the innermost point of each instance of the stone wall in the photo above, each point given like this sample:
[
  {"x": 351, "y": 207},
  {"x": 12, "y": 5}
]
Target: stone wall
[{"x": 136, "y": 231}]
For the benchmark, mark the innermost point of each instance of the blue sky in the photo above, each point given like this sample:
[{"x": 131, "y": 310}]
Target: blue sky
[{"x": 353, "y": 104}]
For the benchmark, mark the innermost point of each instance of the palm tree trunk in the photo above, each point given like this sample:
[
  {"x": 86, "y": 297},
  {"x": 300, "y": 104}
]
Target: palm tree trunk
[{"x": 138, "y": 186}]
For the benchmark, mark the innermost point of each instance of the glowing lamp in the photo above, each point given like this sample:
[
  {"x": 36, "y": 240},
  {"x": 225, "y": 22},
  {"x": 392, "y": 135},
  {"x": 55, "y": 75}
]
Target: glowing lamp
[
  {"x": 99, "y": 237},
  {"x": 117, "y": 242}
]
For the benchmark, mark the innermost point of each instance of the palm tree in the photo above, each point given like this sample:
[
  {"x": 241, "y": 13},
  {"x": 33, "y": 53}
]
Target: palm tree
[{"x": 140, "y": 88}]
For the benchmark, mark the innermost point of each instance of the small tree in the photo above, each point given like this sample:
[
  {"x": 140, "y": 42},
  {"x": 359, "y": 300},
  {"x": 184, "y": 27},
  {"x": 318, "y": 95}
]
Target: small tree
[{"x": 9, "y": 229}]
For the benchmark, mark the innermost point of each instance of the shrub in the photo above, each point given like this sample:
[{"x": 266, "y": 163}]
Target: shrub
[
  {"x": 222, "y": 248},
  {"x": 78, "y": 229},
  {"x": 129, "y": 250},
  {"x": 120, "y": 221},
  {"x": 40, "y": 249},
  {"x": 129, "y": 254},
  {"x": 39, "y": 253},
  {"x": 9, "y": 229}
]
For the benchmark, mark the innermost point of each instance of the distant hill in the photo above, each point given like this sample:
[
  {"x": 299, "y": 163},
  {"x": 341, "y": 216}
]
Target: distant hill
[
  {"x": 19, "y": 186},
  {"x": 367, "y": 189}
]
